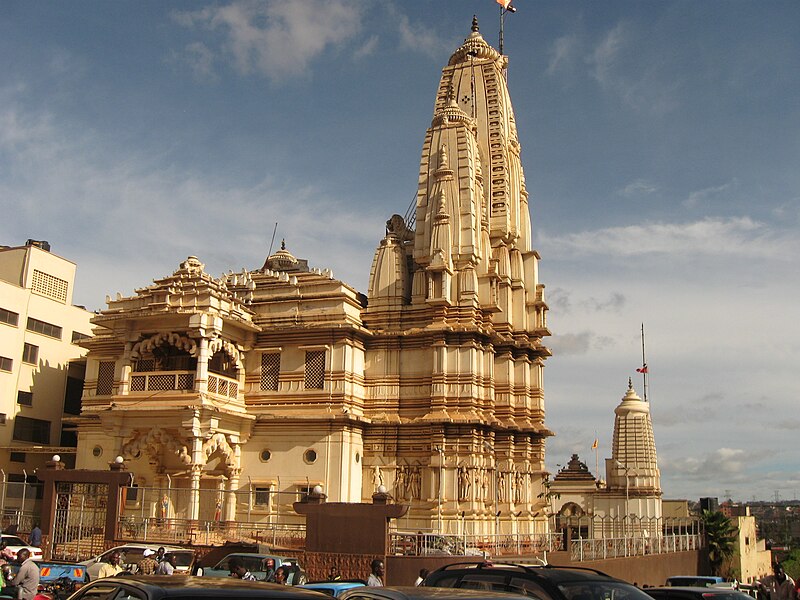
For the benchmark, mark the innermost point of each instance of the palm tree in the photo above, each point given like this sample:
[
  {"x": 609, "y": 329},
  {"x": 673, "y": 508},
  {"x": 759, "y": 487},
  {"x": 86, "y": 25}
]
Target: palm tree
[{"x": 721, "y": 536}]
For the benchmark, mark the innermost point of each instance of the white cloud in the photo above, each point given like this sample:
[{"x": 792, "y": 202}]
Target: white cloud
[
  {"x": 562, "y": 53},
  {"x": 367, "y": 48},
  {"x": 604, "y": 57},
  {"x": 141, "y": 212},
  {"x": 277, "y": 39},
  {"x": 578, "y": 343},
  {"x": 420, "y": 38},
  {"x": 737, "y": 236},
  {"x": 200, "y": 60},
  {"x": 710, "y": 193},
  {"x": 723, "y": 464},
  {"x": 638, "y": 188}
]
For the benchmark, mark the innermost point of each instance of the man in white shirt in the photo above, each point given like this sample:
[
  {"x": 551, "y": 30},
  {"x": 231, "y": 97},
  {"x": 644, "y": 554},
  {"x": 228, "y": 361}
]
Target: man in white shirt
[{"x": 375, "y": 578}]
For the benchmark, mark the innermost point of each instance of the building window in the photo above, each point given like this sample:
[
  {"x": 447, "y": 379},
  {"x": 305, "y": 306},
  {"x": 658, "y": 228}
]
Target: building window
[
  {"x": 77, "y": 336},
  {"x": 48, "y": 329},
  {"x": 270, "y": 370},
  {"x": 105, "y": 378},
  {"x": 6, "y": 364},
  {"x": 18, "y": 457},
  {"x": 310, "y": 456},
  {"x": 8, "y": 317},
  {"x": 265, "y": 455},
  {"x": 315, "y": 369},
  {"x": 261, "y": 494},
  {"x": 30, "y": 354},
  {"x": 97, "y": 452},
  {"x": 25, "y": 398},
  {"x": 304, "y": 491},
  {"x": 50, "y": 286},
  {"x": 27, "y": 429}
]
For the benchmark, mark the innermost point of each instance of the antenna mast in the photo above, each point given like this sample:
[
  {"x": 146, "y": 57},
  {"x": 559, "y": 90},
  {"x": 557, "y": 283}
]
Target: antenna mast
[
  {"x": 272, "y": 241},
  {"x": 644, "y": 367}
]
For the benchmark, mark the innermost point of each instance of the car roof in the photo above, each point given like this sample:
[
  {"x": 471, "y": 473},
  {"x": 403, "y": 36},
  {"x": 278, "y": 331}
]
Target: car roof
[
  {"x": 431, "y": 593},
  {"x": 210, "y": 586},
  {"x": 697, "y": 588},
  {"x": 553, "y": 573}
]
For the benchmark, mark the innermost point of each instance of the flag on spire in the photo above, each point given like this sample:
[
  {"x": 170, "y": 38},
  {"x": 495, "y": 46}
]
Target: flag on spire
[
  {"x": 594, "y": 445},
  {"x": 504, "y": 3},
  {"x": 643, "y": 369}
]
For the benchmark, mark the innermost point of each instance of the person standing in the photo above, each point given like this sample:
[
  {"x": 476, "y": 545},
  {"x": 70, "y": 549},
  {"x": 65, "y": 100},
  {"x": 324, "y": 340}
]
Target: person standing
[
  {"x": 35, "y": 538},
  {"x": 112, "y": 567},
  {"x": 27, "y": 579},
  {"x": 778, "y": 586},
  {"x": 375, "y": 578},
  {"x": 166, "y": 566},
  {"x": 148, "y": 565}
]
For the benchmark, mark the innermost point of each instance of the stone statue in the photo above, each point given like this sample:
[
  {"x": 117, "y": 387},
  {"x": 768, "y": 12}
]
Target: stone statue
[
  {"x": 377, "y": 477},
  {"x": 464, "y": 483},
  {"x": 414, "y": 482}
]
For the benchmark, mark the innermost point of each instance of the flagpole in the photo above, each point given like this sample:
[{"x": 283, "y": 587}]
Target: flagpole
[
  {"x": 596, "y": 456},
  {"x": 644, "y": 367}
]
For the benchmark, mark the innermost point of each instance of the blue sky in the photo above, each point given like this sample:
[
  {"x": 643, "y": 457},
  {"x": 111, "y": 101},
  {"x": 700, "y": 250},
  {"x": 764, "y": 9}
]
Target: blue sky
[{"x": 661, "y": 145}]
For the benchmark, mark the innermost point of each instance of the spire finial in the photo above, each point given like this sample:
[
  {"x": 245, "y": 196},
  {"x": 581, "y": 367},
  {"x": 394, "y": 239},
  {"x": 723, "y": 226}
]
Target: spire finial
[
  {"x": 475, "y": 27},
  {"x": 451, "y": 95},
  {"x": 283, "y": 244},
  {"x": 630, "y": 384}
]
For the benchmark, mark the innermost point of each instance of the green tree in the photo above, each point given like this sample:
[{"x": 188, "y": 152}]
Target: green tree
[{"x": 721, "y": 536}]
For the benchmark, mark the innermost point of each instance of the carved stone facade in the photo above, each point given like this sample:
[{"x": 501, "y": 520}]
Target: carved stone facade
[{"x": 282, "y": 377}]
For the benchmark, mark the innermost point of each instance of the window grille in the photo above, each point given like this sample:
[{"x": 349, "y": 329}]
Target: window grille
[
  {"x": 45, "y": 328},
  {"x": 30, "y": 354},
  {"x": 105, "y": 379},
  {"x": 185, "y": 381},
  {"x": 270, "y": 370},
  {"x": 27, "y": 429},
  {"x": 159, "y": 383},
  {"x": 8, "y": 317},
  {"x": 261, "y": 496},
  {"x": 50, "y": 286},
  {"x": 144, "y": 365},
  {"x": 138, "y": 383},
  {"x": 315, "y": 369},
  {"x": 25, "y": 398}
]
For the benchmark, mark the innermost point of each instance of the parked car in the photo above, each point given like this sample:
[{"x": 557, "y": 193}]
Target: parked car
[
  {"x": 259, "y": 566},
  {"x": 15, "y": 544},
  {"x": 334, "y": 588},
  {"x": 544, "y": 582},
  {"x": 696, "y": 593},
  {"x": 424, "y": 593},
  {"x": 694, "y": 580},
  {"x": 131, "y": 554},
  {"x": 156, "y": 587}
]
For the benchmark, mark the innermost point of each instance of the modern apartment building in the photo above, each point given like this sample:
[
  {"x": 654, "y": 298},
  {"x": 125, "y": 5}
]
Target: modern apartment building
[{"x": 41, "y": 364}]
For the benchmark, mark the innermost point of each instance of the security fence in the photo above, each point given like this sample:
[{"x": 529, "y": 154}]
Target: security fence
[
  {"x": 433, "y": 544},
  {"x": 20, "y": 502}
]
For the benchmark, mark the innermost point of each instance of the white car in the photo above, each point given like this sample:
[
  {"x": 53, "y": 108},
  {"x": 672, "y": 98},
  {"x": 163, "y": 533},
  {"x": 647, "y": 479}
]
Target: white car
[
  {"x": 15, "y": 544},
  {"x": 131, "y": 554}
]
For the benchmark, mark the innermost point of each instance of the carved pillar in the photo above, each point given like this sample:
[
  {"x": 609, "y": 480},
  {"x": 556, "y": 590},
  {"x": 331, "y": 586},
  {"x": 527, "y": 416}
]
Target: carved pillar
[
  {"x": 125, "y": 370},
  {"x": 201, "y": 380},
  {"x": 233, "y": 487},
  {"x": 194, "y": 493}
]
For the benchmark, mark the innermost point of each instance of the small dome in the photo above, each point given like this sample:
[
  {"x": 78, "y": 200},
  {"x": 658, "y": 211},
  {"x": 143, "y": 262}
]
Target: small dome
[
  {"x": 282, "y": 260},
  {"x": 474, "y": 47}
]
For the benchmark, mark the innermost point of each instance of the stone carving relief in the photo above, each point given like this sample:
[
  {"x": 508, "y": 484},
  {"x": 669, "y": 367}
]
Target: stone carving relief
[
  {"x": 152, "y": 444},
  {"x": 464, "y": 483},
  {"x": 154, "y": 341},
  {"x": 228, "y": 348},
  {"x": 218, "y": 443}
]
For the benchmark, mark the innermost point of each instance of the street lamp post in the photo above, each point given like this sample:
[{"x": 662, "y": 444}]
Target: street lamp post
[{"x": 627, "y": 499}]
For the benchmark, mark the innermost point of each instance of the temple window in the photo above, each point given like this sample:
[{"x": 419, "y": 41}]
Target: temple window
[
  {"x": 270, "y": 370},
  {"x": 166, "y": 357},
  {"x": 222, "y": 364},
  {"x": 315, "y": 369}
]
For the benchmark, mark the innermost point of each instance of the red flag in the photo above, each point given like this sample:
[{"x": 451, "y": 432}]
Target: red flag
[
  {"x": 504, "y": 3},
  {"x": 643, "y": 369}
]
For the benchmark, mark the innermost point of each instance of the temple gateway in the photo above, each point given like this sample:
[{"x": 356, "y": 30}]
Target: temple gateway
[{"x": 234, "y": 396}]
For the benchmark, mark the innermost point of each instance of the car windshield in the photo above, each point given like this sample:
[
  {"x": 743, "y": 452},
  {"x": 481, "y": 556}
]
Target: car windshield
[
  {"x": 601, "y": 590},
  {"x": 11, "y": 540}
]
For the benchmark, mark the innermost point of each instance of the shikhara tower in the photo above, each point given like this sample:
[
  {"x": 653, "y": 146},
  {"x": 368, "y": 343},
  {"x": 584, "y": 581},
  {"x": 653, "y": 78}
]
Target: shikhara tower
[
  {"x": 250, "y": 389},
  {"x": 454, "y": 370}
]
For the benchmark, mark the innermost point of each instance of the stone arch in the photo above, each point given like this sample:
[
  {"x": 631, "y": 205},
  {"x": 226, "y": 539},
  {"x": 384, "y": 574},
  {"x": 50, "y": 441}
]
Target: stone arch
[
  {"x": 154, "y": 341},
  {"x": 153, "y": 442},
  {"x": 228, "y": 348}
]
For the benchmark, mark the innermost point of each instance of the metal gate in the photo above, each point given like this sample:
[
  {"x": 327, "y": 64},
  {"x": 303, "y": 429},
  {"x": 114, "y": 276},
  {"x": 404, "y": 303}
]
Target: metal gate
[{"x": 80, "y": 520}]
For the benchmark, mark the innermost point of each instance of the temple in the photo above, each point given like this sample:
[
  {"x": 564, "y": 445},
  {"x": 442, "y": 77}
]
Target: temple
[{"x": 246, "y": 391}]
